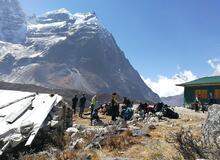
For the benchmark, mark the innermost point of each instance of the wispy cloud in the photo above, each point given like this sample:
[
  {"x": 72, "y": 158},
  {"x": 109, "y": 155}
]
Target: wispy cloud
[
  {"x": 215, "y": 64},
  {"x": 166, "y": 86}
]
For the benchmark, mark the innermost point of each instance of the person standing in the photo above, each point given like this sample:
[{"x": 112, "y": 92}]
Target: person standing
[
  {"x": 114, "y": 106},
  {"x": 197, "y": 103},
  {"x": 74, "y": 103},
  {"x": 210, "y": 99},
  {"x": 82, "y": 103},
  {"x": 93, "y": 104}
]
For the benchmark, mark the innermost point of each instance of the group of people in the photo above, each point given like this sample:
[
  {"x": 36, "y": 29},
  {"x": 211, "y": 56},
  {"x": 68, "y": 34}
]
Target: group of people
[
  {"x": 126, "y": 111},
  {"x": 82, "y": 104},
  {"x": 199, "y": 105},
  {"x": 114, "y": 106}
]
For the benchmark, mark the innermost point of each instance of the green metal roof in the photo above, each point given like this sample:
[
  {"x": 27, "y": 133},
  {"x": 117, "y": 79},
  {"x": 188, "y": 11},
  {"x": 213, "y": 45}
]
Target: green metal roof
[{"x": 214, "y": 80}]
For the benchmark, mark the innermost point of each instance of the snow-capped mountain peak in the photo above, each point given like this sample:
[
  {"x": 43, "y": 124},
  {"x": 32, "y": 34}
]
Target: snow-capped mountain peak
[
  {"x": 58, "y": 11},
  {"x": 86, "y": 18},
  {"x": 75, "y": 51},
  {"x": 59, "y": 15}
]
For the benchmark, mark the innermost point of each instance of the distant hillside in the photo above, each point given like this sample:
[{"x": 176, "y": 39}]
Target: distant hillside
[
  {"x": 174, "y": 100},
  {"x": 66, "y": 93}
]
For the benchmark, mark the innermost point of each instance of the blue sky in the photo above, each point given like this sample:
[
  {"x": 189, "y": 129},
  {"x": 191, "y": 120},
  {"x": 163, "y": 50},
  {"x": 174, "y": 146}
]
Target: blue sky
[{"x": 159, "y": 37}]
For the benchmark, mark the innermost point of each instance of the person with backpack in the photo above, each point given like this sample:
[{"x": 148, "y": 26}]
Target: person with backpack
[
  {"x": 82, "y": 104},
  {"x": 94, "y": 117},
  {"x": 74, "y": 103},
  {"x": 93, "y": 104},
  {"x": 126, "y": 113}
]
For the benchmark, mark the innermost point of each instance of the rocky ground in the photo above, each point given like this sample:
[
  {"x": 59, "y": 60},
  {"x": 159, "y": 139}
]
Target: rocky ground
[{"x": 151, "y": 138}]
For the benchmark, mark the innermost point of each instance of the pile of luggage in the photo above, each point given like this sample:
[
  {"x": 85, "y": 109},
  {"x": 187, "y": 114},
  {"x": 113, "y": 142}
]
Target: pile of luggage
[
  {"x": 128, "y": 112},
  {"x": 166, "y": 110}
]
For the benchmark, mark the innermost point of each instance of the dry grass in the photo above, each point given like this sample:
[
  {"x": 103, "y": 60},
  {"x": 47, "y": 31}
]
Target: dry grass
[
  {"x": 66, "y": 154},
  {"x": 156, "y": 135},
  {"x": 80, "y": 154},
  {"x": 85, "y": 121},
  {"x": 66, "y": 139},
  {"x": 158, "y": 146},
  {"x": 121, "y": 141},
  {"x": 34, "y": 157},
  {"x": 153, "y": 150}
]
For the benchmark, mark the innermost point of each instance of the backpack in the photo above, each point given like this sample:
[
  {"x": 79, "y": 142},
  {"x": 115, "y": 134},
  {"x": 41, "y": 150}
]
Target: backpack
[{"x": 169, "y": 113}]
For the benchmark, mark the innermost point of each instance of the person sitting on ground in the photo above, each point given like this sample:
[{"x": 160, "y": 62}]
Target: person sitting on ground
[
  {"x": 94, "y": 115},
  {"x": 127, "y": 102},
  {"x": 142, "y": 114},
  {"x": 149, "y": 108},
  {"x": 108, "y": 107},
  {"x": 95, "y": 118},
  {"x": 103, "y": 109},
  {"x": 126, "y": 113},
  {"x": 141, "y": 106},
  {"x": 146, "y": 108},
  {"x": 140, "y": 110}
]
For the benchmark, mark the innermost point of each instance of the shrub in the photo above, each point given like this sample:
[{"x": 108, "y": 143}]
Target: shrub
[{"x": 120, "y": 141}]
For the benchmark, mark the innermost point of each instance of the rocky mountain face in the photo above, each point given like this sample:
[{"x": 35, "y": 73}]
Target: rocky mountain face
[
  {"x": 177, "y": 100},
  {"x": 67, "y": 94},
  {"x": 74, "y": 51},
  {"x": 13, "y": 26}
]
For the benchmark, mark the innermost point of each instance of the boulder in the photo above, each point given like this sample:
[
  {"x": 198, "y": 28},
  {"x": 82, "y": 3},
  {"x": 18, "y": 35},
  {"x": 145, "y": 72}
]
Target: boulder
[
  {"x": 76, "y": 144},
  {"x": 72, "y": 130},
  {"x": 211, "y": 129}
]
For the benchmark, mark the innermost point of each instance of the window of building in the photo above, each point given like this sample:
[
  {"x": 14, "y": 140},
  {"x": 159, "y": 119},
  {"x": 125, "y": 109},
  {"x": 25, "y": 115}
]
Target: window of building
[
  {"x": 217, "y": 93},
  {"x": 201, "y": 93}
]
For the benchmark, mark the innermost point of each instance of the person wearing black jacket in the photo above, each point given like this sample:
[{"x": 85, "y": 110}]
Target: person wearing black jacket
[
  {"x": 74, "y": 103},
  {"x": 82, "y": 103},
  {"x": 114, "y": 107}
]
